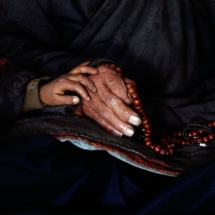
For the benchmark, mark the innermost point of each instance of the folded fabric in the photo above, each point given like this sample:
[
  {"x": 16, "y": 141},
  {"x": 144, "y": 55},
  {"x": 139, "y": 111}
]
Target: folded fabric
[{"x": 88, "y": 135}]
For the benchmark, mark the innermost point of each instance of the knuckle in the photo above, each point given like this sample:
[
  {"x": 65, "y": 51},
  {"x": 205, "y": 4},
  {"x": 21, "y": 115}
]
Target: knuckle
[
  {"x": 76, "y": 85},
  {"x": 76, "y": 70},
  {"x": 60, "y": 80},
  {"x": 80, "y": 78},
  {"x": 83, "y": 78},
  {"x": 112, "y": 100}
]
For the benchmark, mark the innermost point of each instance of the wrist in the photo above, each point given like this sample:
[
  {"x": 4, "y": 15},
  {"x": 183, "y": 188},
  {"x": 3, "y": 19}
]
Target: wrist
[
  {"x": 41, "y": 93},
  {"x": 32, "y": 99}
]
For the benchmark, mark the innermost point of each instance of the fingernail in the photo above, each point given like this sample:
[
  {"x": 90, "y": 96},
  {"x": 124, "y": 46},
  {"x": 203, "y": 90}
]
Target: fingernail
[
  {"x": 116, "y": 133},
  {"x": 127, "y": 131},
  {"x": 88, "y": 99},
  {"x": 75, "y": 100},
  {"x": 134, "y": 120}
]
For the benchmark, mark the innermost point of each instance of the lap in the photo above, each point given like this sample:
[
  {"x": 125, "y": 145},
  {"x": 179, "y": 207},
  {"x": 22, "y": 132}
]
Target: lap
[{"x": 41, "y": 171}]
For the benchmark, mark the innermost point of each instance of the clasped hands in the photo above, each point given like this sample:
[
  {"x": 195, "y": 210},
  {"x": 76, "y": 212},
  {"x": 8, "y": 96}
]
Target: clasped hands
[{"x": 104, "y": 96}]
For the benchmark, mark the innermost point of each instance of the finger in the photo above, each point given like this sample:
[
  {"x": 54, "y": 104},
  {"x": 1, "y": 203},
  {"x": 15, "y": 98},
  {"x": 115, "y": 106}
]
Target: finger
[
  {"x": 114, "y": 102},
  {"x": 103, "y": 123},
  {"x": 120, "y": 90},
  {"x": 70, "y": 85},
  {"x": 67, "y": 100},
  {"x": 105, "y": 113},
  {"x": 84, "y": 70},
  {"x": 117, "y": 86},
  {"x": 122, "y": 111},
  {"x": 107, "y": 76},
  {"x": 84, "y": 81}
]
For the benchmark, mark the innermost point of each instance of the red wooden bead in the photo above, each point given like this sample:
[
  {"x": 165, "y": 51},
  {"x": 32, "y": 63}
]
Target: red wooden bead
[
  {"x": 205, "y": 139},
  {"x": 145, "y": 121},
  {"x": 183, "y": 142},
  {"x": 134, "y": 96},
  {"x": 171, "y": 151},
  {"x": 201, "y": 132},
  {"x": 210, "y": 124},
  {"x": 163, "y": 152},
  {"x": 157, "y": 148},
  {"x": 129, "y": 85},
  {"x": 131, "y": 90},
  {"x": 190, "y": 134},
  {"x": 146, "y": 139},
  {"x": 148, "y": 130},
  {"x": 148, "y": 143},
  {"x": 168, "y": 153},
  {"x": 152, "y": 146},
  {"x": 169, "y": 146},
  {"x": 180, "y": 134},
  {"x": 195, "y": 133},
  {"x": 147, "y": 126},
  {"x": 118, "y": 69},
  {"x": 210, "y": 136},
  {"x": 147, "y": 134},
  {"x": 138, "y": 107},
  {"x": 142, "y": 112},
  {"x": 166, "y": 140},
  {"x": 137, "y": 102},
  {"x": 112, "y": 65},
  {"x": 144, "y": 117}
]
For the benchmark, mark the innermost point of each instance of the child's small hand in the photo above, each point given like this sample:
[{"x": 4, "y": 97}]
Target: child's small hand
[{"x": 53, "y": 93}]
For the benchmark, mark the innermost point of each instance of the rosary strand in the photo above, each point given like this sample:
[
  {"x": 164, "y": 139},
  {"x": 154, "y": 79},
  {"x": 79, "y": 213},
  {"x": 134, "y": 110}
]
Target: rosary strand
[{"x": 167, "y": 142}]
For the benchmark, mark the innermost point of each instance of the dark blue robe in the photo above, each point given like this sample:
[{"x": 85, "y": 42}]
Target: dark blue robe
[
  {"x": 40, "y": 175},
  {"x": 167, "y": 47}
]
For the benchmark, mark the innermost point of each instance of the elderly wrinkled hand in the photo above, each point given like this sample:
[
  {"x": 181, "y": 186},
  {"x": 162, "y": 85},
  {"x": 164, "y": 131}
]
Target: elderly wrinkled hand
[
  {"x": 104, "y": 94},
  {"x": 109, "y": 106}
]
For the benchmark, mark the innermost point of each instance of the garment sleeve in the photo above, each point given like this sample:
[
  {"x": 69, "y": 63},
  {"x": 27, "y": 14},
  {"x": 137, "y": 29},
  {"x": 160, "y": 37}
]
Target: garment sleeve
[
  {"x": 31, "y": 99},
  {"x": 31, "y": 40}
]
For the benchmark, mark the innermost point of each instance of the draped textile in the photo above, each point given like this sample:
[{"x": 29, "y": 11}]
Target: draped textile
[
  {"x": 40, "y": 175},
  {"x": 167, "y": 47}
]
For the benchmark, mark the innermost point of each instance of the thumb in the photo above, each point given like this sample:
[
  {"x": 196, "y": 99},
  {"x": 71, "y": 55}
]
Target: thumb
[{"x": 68, "y": 100}]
